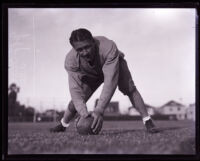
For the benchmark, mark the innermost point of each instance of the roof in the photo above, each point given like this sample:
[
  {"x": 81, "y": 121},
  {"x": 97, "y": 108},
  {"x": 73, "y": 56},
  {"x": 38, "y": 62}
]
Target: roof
[{"x": 172, "y": 103}]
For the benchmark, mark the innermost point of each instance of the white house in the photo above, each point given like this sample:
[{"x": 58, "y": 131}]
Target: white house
[
  {"x": 111, "y": 109},
  {"x": 190, "y": 112},
  {"x": 173, "y": 108}
]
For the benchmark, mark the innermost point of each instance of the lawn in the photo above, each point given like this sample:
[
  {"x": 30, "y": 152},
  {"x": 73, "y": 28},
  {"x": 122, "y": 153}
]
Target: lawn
[{"x": 116, "y": 137}]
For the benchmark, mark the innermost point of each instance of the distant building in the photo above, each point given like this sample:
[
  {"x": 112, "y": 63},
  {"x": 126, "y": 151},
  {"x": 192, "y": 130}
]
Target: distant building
[
  {"x": 173, "y": 108},
  {"x": 190, "y": 112},
  {"x": 111, "y": 109},
  {"x": 49, "y": 115},
  {"x": 132, "y": 111}
]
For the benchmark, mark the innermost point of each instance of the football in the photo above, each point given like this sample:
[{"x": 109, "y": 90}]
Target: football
[{"x": 83, "y": 125}]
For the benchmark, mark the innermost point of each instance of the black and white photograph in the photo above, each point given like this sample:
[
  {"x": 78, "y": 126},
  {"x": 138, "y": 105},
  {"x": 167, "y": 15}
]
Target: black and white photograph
[{"x": 101, "y": 81}]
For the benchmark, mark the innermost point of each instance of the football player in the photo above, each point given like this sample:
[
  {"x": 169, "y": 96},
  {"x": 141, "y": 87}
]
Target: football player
[{"x": 94, "y": 60}]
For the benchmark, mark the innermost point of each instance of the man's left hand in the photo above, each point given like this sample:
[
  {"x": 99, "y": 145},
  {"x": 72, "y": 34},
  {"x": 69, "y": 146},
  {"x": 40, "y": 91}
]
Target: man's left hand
[{"x": 97, "y": 122}]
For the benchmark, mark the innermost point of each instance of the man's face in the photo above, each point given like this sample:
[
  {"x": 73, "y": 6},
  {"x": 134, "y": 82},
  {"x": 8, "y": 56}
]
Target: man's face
[{"x": 85, "y": 49}]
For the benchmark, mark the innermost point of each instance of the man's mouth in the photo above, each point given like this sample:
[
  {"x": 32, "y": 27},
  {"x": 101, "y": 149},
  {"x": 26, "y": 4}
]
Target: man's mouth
[{"x": 88, "y": 57}]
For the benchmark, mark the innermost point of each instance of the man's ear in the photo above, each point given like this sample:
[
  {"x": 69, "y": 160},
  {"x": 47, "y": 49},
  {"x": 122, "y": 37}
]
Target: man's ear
[{"x": 94, "y": 42}]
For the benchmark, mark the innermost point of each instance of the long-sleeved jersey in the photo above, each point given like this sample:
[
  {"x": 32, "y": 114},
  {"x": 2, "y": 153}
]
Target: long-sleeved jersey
[{"x": 105, "y": 69}]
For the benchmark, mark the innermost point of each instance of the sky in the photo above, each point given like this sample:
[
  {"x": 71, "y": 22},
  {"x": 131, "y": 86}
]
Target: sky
[{"x": 159, "y": 46}]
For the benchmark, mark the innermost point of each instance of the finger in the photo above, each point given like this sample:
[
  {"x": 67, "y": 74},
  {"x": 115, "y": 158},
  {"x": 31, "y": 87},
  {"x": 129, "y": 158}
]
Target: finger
[
  {"x": 94, "y": 122},
  {"x": 100, "y": 126},
  {"x": 97, "y": 126}
]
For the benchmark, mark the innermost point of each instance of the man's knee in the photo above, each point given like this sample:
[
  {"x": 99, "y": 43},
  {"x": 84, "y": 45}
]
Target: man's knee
[
  {"x": 128, "y": 89},
  {"x": 71, "y": 107},
  {"x": 133, "y": 91}
]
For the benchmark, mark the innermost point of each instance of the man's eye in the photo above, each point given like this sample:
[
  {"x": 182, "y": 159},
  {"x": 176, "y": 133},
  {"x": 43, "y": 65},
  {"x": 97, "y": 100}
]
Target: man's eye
[
  {"x": 79, "y": 50},
  {"x": 88, "y": 47},
  {"x": 84, "y": 48}
]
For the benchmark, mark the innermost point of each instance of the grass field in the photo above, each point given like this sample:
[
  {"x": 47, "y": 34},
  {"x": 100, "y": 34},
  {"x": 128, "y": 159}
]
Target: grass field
[{"x": 116, "y": 137}]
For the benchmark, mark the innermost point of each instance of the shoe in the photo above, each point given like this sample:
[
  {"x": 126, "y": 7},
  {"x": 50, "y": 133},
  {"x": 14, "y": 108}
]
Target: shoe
[
  {"x": 58, "y": 128},
  {"x": 151, "y": 127}
]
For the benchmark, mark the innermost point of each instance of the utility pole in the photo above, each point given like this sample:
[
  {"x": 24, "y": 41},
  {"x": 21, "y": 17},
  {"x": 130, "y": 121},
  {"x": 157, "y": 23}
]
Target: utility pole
[
  {"x": 34, "y": 116},
  {"x": 54, "y": 114},
  {"x": 34, "y": 66}
]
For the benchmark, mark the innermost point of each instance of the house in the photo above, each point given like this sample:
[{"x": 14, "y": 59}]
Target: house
[
  {"x": 111, "y": 109},
  {"x": 173, "y": 108},
  {"x": 49, "y": 115},
  {"x": 190, "y": 112},
  {"x": 132, "y": 111}
]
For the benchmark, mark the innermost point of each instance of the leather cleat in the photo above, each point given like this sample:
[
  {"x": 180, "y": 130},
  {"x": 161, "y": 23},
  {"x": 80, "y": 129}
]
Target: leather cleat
[
  {"x": 58, "y": 128},
  {"x": 151, "y": 127}
]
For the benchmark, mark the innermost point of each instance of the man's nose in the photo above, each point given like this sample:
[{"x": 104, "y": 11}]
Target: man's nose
[{"x": 84, "y": 52}]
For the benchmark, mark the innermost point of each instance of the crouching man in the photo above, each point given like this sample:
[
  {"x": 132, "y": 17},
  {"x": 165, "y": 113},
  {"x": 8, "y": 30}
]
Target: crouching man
[{"x": 91, "y": 62}]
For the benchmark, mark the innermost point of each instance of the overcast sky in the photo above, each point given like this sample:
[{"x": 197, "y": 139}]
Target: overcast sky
[{"x": 159, "y": 46}]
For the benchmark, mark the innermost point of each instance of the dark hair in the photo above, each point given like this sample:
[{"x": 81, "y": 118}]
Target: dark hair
[{"x": 80, "y": 35}]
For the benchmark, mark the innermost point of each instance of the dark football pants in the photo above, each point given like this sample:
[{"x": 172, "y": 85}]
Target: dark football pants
[{"x": 125, "y": 84}]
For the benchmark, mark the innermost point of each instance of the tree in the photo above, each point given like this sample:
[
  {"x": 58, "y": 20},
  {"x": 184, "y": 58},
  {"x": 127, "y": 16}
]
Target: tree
[
  {"x": 29, "y": 113},
  {"x": 13, "y": 90}
]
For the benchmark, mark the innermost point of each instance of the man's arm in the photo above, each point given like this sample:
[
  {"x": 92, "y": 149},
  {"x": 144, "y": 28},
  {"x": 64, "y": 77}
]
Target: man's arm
[
  {"x": 75, "y": 84},
  {"x": 77, "y": 94},
  {"x": 111, "y": 74}
]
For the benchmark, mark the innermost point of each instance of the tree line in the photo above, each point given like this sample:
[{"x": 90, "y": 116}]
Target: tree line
[{"x": 20, "y": 112}]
